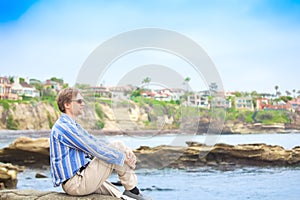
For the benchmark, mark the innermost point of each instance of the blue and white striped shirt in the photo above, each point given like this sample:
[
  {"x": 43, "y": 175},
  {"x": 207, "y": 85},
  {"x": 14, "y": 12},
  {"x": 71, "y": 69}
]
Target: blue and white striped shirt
[{"x": 71, "y": 147}]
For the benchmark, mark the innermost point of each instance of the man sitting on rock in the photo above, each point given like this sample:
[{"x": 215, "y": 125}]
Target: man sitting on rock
[{"x": 81, "y": 162}]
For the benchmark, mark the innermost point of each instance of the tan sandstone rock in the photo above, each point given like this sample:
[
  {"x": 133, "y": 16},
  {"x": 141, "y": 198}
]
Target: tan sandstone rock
[
  {"x": 48, "y": 195},
  {"x": 35, "y": 153},
  {"x": 8, "y": 176}
]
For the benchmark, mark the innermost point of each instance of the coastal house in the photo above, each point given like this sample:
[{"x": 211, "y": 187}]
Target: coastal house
[
  {"x": 262, "y": 103},
  {"x": 205, "y": 93},
  {"x": 228, "y": 94},
  {"x": 198, "y": 100},
  {"x": 266, "y": 104},
  {"x": 53, "y": 85},
  {"x": 204, "y": 102},
  {"x": 100, "y": 91},
  {"x": 148, "y": 94},
  {"x": 194, "y": 100},
  {"x": 5, "y": 89},
  {"x": 177, "y": 92},
  {"x": 174, "y": 94},
  {"x": 24, "y": 89},
  {"x": 294, "y": 105},
  {"x": 220, "y": 102},
  {"x": 166, "y": 95},
  {"x": 244, "y": 103},
  {"x": 160, "y": 95},
  {"x": 163, "y": 96},
  {"x": 278, "y": 107},
  {"x": 121, "y": 92}
]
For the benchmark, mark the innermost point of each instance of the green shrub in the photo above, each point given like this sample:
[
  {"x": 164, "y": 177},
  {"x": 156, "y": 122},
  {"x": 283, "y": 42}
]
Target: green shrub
[
  {"x": 50, "y": 121},
  {"x": 273, "y": 116},
  {"x": 5, "y": 104},
  {"x": 99, "y": 111},
  {"x": 99, "y": 124},
  {"x": 11, "y": 123},
  {"x": 245, "y": 116}
]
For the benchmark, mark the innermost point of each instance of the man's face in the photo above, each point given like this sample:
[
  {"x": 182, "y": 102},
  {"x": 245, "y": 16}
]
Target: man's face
[{"x": 77, "y": 105}]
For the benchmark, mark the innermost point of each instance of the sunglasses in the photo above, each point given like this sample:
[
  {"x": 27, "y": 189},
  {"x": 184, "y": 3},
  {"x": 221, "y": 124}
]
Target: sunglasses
[{"x": 79, "y": 101}]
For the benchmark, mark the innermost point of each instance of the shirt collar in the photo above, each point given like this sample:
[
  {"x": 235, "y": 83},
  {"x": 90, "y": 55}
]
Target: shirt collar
[{"x": 68, "y": 118}]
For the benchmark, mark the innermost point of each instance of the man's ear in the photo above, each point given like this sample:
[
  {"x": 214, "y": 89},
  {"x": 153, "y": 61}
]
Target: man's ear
[{"x": 67, "y": 106}]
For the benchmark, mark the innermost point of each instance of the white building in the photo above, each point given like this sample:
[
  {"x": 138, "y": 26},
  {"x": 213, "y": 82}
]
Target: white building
[{"x": 23, "y": 89}]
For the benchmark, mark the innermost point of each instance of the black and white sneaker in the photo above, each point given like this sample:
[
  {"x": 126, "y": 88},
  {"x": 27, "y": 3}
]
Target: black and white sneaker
[
  {"x": 124, "y": 197},
  {"x": 129, "y": 194}
]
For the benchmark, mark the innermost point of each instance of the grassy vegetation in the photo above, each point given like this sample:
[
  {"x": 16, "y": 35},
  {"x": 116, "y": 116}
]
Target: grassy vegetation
[
  {"x": 273, "y": 116},
  {"x": 12, "y": 124},
  {"x": 99, "y": 124},
  {"x": 28, "y": 100},
  {"x": 99, "y": 111},
  {"x": 50, "y": 121},
  {"x": 106, "y": 101},
  {"x": 4, "y": 104},
  {"x": 264, "y": 116},
  {"x": 239, "y": 115}
]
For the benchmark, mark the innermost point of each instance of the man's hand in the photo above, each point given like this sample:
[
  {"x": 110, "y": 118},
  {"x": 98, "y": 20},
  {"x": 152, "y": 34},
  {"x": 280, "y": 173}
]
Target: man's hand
[{"x": 130, "y": 158}]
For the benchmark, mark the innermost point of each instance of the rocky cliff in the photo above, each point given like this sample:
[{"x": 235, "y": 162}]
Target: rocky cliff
[
  {"x": 27, "y": 116},
  {"x": 118, "y": 119}
]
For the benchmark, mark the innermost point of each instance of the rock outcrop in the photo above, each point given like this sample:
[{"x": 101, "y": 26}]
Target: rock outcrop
[
  {"x": 27, "y": 152},
  {"x": 220, "y": 156},
  {"x": 8, "y": 176},
  {"x": 255, "y": 128},
  {"x": 35, "y": 153},
  {"x": 40, "y": 195}
]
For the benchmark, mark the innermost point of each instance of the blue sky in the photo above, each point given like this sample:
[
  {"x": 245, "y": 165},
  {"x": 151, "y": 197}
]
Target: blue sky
[{"x": 255, "y": 44}]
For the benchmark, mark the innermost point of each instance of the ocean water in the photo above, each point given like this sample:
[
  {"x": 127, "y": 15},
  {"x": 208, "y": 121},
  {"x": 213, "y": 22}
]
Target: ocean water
[
  {"x": 201, "y": 183},
  {"x": 205, "y": 183}
]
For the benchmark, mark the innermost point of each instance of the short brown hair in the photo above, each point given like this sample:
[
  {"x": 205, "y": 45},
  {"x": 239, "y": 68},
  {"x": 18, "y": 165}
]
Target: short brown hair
[{"x": 65, "y": 96}]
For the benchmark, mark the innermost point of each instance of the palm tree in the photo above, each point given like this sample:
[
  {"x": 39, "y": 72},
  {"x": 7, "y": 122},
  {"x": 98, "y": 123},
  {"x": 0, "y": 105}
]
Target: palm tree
[
  {"x": 294, "y": 91},
  {"x": 39, "y": 87},
  {"x": 279, "y": 93},
  {"x": 276, "y": 88},
  {"x": 146, "y": 81},
  {"x": 213, "y": 87},
  {"x": 186, "y": 82}
]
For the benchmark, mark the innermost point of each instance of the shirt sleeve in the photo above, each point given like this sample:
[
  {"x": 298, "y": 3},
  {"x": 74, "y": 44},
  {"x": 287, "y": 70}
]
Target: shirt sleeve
[{"x": 76, "y": 137}]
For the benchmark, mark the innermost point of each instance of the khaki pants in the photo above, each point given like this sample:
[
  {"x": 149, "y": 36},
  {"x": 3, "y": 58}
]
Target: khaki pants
[{"x": 93, "y": 179}]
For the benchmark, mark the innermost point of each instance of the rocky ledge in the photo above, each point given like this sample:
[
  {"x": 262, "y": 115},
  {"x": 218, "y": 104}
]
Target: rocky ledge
[
  {"x": 25, "y": 151},
  {"x": 8, "y": 176},
  {"x": 220, "y": 156},
  {"x": 40, "y": 195},
  {"x": 35, "y": 153}
]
